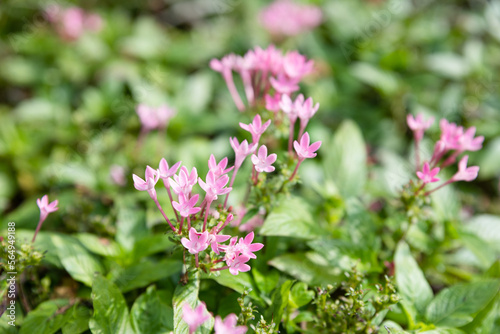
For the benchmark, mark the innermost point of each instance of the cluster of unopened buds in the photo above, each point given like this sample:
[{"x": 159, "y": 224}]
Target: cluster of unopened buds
[
  {"x": 454, "y": 141},
  {"x": 72, "y": 22},
  {"x": 199, "y": 315}
]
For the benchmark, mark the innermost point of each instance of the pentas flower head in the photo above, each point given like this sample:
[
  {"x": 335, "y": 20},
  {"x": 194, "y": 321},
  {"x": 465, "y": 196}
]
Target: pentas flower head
[
  {"x": 241, "y": 151},
  {"x": 427, "y": 175},
  {"x": 246, "y": 247},
  {"x": 465, "y": 173},
  {"x": 303, "y": 149},
  {"x": 269, "y": 60},
  {"x": 225, "y": 65},
  {"x": 197, "y": 242},
  {"x": 152, "y": 177},
  {"x": 273, "y": 102},
  {"x": 46, "y": 207},
  {"x": 228, "y": 326},
  {"x": 185, "y": 206},
  {"x": 214, "y": 186},
  {"x": 450, "y": 134},
  {"x": 195, "y": 317},
  {"x": 256, "y": 128},
  {"x": 166, "y": 171},
  {"x": 220, "y": 168},
  {"x": 418, "y": 125},
  {"x": 306, "y": 110},
  {"x": 296, "y": 65},
  {"x": 262, "y": 161},
  {"x": 184, "y": 182},
  {"x": 284, "y": 85}
]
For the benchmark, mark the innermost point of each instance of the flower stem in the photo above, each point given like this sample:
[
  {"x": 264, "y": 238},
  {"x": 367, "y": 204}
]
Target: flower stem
[
  {"x": 38, "y": 227},
  {"x": 171, "y": 199},
  {"x": 295, "y": 170},
  {"x": 219, "y": 269},
  {"x": 164, "y": 215},
  {"x": 180, "y": 226},
  {"x": 231, "y": 185}
]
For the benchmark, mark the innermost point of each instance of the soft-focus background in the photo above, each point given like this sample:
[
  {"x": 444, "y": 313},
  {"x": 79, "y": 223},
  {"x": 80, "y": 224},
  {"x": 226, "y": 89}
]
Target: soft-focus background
[{"x": 68, "y": 125}]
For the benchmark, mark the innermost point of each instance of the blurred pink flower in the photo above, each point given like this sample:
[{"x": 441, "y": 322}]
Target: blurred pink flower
[
  {"x": 427, "y": 175},
  {"x": 46, "y": 207},
  {"x": 465, "y": 173},
  {"x": 117, "y": 174},
  {"x": 71, "y": 23},
  {"x": 273, "y": 102},
  {"x": 286, "y": 18},
  {"x": 228, "y": 326},
  {"x": 284, "y": 85},
  {"x": 241, "y": 151},
  {"x": 151, "y": 178},
  {"x": 418, "y": 125},
  {"x": 296, "y": 65},
  {"x": 154, "y": 118},
  {"x": 195, "y": 317}
]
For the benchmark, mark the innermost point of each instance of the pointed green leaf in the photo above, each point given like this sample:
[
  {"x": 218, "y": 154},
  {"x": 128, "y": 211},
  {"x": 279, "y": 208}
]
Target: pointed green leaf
[
  {"x": 280, "y": 301},
  {"x": 47, "y": 318},
  {"x": 78, "y": 317},
  {"x": 410, "y": 279},
  {"x": 457, "y": 305},
  {"x": 110, "y": 309},
  {"x": 150, "y": 315}
]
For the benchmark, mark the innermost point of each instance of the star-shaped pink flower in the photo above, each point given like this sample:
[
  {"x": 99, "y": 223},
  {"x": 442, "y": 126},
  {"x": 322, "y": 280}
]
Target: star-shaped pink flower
[
  {"x": 184, "y": 182},
  {"x": 241, "y": 151},
  {"x": 246, "y": 247},
  {"x": 427, "y": 175},
  {"x": 239, "y": 265},
  {"x": 465, "y": 173},
  {"x": 186, "y": 207},
  {"x": 214, "y": 186},
  {"x": 296, "y": 65},
  {"x": 220, "y": 168},
  {"x": 262, "y": 161},
  {"x": 303, "y": 149},
  {"x": 418, "y": 125},
  {"x": 46, "y": 207},
  {"x": 256, "y": 128},
  {"x": 152, "y": 177},
  {"x": 197, "y": 242},
  {"x": 166, "y": 171}
]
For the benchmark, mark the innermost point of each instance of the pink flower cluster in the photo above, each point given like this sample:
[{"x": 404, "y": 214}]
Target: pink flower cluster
[
  {"x": 286, "y": 18},
  {"x": 70, "y": 23},
  {"x": 454, "y": 141},
  {"x": 263, "y": 69},
  {"x": 179, "y": 181},
  {"x": 199, "y": 315}
]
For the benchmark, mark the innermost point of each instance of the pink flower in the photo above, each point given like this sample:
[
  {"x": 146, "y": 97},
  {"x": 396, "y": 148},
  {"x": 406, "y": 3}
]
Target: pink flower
[
  {"x": 184, "y": 182},
  {"x": 195, "y": 318},
  {"x": 289, "y": 107},
  {"x": 286, "y": 18},
  {"x": 465, "y": 173},
  {"x": 273, "y": 102},
  {"x": 427, "y": 175},
  {"x": 231, "y": 250},
  {"x": 239, "y": 264},
  {"x": 228, "y": 326},
  {"x": 225, "y": 66},
  {"x": 214, "y": 186},
  {"x": 152, "y": 177},
  {"x": 197, "y": 242},
  {"x": 450, "y": 134},
  {"x": 218, "y": 169},
  {"x": 215, "y": 239},
  {"x": 263, "y": 162},
  {"x": 186, "y": 207},
  {"x": 46, "y": 207},
  {"x": 305, "y": 111},
  {"x": 256, "y": 128},
  {"x": 418, "y": 125},
  {"x": 304, "y": 150},
  {"x": 284, "y": 85},
  {"x": 154, "y": 118},
  {"x": 117, "y": 174},
  {"x": 467, "y": 142},
  {"x": 72, "y": 22},
  {"x": 241, "y": 151},
  {"x": 246, "y": 247},
  {"x": 269, "y": 60},
  {"x": 296, "y": 65},
  {"x": 166, "y": 171}
]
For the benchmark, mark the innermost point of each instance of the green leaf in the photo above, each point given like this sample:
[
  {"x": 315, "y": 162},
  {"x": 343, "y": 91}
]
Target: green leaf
[
  {"x": 390, "y": 327},
  {"x": 443, "y": 330},
  {"x": 280, "y": 301},
  {"x": 346, "y": 160},
  {"x": 46, "y": 318},
  {"x": 77, "y": 319},
  {"x": 145, "y": 273},
  {"x": 150, "y": 315},
  {"x": 300, "y": 295},
  {"x": 77, "y": 261},
  {"x": 482, "y": 250},
  {"x": 375, "y": 77},
  {"x": 457, "y": 305},
  {"x": 188, "y": 294},
  {"x": 410, "y": 280},
  {"x": 99, "y": 246},
  {"x": 110, "y": 309},
  {"x": 310, "y": 268},
  {"x": 131, "y": 225},
  {"x": 487, "y": 227},
  {"x": 291, "y": 218},
  {"x": 266, "y": 282},
  {"x": 150, "y": 245}
]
